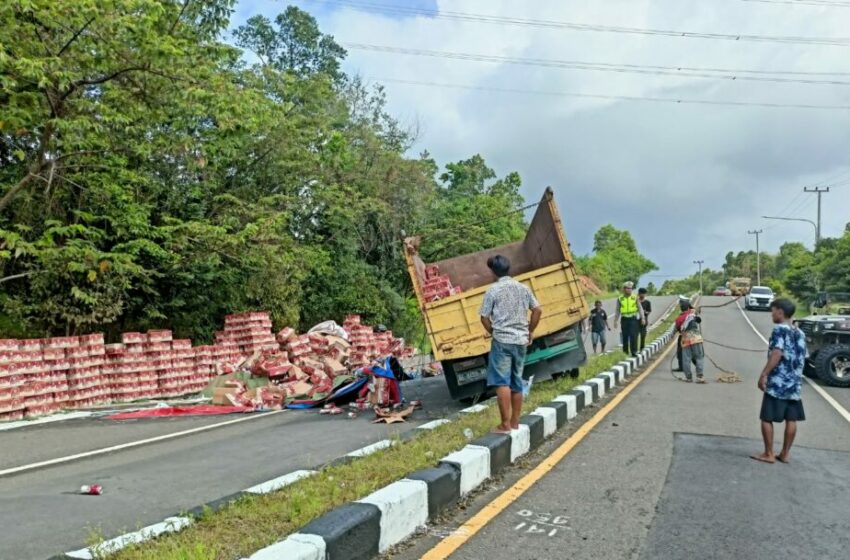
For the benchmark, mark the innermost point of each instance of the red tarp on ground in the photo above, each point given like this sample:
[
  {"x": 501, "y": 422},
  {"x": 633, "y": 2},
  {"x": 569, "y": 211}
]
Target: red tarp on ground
[{"x": 196, "y": 410}]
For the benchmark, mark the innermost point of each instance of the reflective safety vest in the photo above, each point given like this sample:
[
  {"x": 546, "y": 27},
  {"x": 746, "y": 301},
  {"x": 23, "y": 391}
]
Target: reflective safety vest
[{"x": 628, "y": 306}]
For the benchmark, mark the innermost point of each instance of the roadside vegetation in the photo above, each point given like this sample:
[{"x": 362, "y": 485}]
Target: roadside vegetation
[
  {"x": 254, "y": 522},
  {"x": 158, "y": 171},
  {"x": 794, "y": 271}
]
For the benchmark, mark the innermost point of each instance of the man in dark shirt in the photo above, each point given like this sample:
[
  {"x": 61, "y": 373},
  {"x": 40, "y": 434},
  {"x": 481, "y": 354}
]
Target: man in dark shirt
[
  {"x": 598, "y": 325},
  {"x": 647, "y": 310}
]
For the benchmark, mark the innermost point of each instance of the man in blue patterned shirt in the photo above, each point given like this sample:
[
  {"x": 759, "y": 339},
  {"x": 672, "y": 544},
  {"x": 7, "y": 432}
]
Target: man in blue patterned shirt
[
  {"x": 505, "y": 315},
  {"x": 781, "y": 380}
]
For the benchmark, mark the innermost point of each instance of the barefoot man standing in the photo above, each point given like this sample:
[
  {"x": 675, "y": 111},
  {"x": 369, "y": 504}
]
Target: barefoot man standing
[
  {"x": 504, "y": 314},
  {"x": 781, "y": 380}
]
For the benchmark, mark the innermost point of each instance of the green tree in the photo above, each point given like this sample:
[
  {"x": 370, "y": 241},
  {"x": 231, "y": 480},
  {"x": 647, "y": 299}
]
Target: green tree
[{"x": 473, "y": 210}]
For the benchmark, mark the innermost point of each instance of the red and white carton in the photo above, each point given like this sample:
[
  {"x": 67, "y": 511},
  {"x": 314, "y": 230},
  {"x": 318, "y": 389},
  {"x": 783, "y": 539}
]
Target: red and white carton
[
  {"x": 92, "y": 339},
  {"x": 63, "y": 342},
  {"x": 162, "y": 335},
  {"x": 31, "y": 344},
  {"x": 133, "y": 338}
]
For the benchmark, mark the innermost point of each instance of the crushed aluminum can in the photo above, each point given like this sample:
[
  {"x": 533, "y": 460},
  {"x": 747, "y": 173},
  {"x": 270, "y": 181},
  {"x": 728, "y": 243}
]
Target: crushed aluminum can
[
  {"x": 91, "y": 489},
  {"x": 352, "y": 415}
]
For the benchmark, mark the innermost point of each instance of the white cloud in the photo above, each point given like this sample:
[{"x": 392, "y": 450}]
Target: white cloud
[{"x": 687, "y": 180}]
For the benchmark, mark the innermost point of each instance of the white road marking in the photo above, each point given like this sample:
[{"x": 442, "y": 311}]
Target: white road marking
[
  {"x": 818, "y": 389},
  {"x": 130, "y": 445}
]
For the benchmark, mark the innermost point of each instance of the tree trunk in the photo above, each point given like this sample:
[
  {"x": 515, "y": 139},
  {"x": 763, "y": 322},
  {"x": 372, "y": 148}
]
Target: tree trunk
[{"x": 13, "y": 192}]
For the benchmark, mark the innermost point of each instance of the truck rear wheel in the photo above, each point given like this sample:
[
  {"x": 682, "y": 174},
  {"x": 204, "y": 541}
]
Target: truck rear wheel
[
  {"x": 574, "y": 373},
  {"x": 833, "y": 365}
]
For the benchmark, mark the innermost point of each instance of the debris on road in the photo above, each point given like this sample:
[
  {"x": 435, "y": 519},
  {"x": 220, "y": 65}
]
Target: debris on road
[
  {"x": 42, "y": 376},
  {"x": 91, "y": 489}
]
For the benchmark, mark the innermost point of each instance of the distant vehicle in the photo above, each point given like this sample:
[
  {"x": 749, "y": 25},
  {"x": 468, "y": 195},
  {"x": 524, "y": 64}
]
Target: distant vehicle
[
  {"x": 759, "y": 297},
  {"x": 740, "y": 286},
  {"x": 827, "y": 332},
  {"x": 722, "y": 291}
]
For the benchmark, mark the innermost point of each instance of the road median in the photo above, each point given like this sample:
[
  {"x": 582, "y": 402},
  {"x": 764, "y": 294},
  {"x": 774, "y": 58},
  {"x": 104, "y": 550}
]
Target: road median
[{"x": 401, "y": 485}]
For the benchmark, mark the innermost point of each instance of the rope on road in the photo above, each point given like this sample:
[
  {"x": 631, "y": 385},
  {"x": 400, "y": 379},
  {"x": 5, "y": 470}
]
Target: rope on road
[
  {"x": 726, "y": 375},
  {"x": 759, "y": 351},
  {"x": 730, "y": 302}
]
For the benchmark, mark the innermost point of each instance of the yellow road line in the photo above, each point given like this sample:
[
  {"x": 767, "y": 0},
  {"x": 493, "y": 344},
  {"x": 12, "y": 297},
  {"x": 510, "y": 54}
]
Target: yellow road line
[{"x": 465, "y": 532}]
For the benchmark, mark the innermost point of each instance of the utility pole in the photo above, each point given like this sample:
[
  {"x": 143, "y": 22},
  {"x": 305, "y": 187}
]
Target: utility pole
[
  {"x": 700, "y": 276},
  {"x": 757, "y": 232},
  {"x": 818, "y": 191}
]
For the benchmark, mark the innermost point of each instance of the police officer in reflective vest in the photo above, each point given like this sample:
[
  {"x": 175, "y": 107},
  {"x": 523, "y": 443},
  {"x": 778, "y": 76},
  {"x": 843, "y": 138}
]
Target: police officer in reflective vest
[{"x": 630, "y": 313}]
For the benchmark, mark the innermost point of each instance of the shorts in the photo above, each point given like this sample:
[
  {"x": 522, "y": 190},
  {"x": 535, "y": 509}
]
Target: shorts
[
  {"x": 505, "y": 365},
  {"x": 780, "y": 410},
  {"x": 598, "y": 337}
]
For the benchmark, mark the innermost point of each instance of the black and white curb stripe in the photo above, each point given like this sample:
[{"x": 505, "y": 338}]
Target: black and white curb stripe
[
  {"x": 335, "y": 535},
  {"x": 364, "y": 529}
]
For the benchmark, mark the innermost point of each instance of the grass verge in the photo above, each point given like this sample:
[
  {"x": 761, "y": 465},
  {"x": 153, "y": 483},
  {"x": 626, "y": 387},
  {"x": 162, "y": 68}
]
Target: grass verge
[{"x": 254, "y": 522}]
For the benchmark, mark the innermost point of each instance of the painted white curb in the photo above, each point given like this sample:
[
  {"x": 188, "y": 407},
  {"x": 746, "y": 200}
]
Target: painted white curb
[
  {"x": 279, "y": 482},
  {"x": 170, "y": 525},
  {"x": 404, "y": 509},
  {"x": 369, "y": 449},
  {"x": 600, "y": 384},
  {"x": 570, "y": 401},
  {"x": 612, "y": 377},
  {"x": 550, "y": 419},
  {"x": 433, "y": 424},
  {"x": 295, "y": 547},
  {"x": 474, "y": 464},
  {"x": 588, "y": 393},
  {"x": 620, "y": 373},
  {"x": 520, "y": 442},
  {"x": 474, "y": 409}
]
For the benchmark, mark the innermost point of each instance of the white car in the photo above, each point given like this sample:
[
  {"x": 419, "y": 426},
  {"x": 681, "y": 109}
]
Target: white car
[{"x": 759, "y": 297}]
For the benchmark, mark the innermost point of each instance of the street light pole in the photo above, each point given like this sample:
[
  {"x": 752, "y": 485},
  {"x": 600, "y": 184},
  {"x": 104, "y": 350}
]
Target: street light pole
[
  {"x": 757, "y": 232},
  {"x": 814, "y": 225},
  {"x": 818, "y": 191},
  {"x": 701, "y": 292}
]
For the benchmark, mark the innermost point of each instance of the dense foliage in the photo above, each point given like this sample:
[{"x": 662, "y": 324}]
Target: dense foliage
[
  {"x": 150, "y": 176},
  {"x": 794, "y": 271},
  {"x": 615, "y": 259}
]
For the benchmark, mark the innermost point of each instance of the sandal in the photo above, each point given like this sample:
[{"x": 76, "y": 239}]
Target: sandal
[{"x": 701, "y": 380}]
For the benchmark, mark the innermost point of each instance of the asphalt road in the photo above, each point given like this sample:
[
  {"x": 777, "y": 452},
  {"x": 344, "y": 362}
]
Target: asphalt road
[
  {"x": 148, "y": 483},
  {"x": 667, "y": 475}
]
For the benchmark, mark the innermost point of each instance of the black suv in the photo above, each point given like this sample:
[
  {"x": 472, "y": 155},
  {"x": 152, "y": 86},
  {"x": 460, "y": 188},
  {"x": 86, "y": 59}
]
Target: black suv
[{"x": 827, "y": 333}]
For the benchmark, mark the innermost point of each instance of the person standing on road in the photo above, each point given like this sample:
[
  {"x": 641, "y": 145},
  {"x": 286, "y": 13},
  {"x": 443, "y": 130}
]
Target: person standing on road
[
  {"x": 504, "y": 314},
  {"x": 630, "y": 316},
  {"x": 693, "y": 353},
  {"x": 781, "y": 381},
  {"x": 598, "y": 325},
  {"x": 646, "y": 306}
]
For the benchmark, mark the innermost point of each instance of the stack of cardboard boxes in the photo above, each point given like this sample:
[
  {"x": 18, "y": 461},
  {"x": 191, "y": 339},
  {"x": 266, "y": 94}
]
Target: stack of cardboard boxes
[
  {"x": 42, "y": 376},
  {"x": 437, "y": 286}
]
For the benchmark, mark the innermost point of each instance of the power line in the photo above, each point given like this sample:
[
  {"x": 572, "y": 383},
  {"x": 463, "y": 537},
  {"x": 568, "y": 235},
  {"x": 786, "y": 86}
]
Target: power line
[
  {"x": 804, "y": 3},
  {"x": 552, "y": 24},
  {"x": 683, "y": 71},
  {"x": 680, "y": 101}
]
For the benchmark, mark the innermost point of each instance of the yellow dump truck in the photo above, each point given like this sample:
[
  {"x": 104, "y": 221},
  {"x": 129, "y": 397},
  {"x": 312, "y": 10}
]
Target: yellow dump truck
[
  {"x": 739, "y": 286},
  {"x": 544, "y": 263}
]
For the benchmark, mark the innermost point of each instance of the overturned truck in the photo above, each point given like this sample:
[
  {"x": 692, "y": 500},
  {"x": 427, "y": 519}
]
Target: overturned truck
[{"x": 450, "y": 293}]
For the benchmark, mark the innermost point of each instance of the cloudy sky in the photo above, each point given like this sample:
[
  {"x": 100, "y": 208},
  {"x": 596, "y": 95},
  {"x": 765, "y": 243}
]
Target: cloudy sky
[{"x": 687, "y": 179}]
